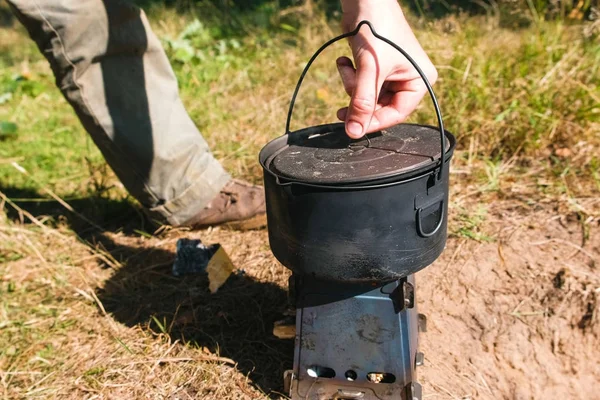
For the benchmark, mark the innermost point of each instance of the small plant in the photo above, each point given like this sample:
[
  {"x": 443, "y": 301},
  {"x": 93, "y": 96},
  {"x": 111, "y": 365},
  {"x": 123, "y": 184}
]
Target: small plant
[
  {"x": 196, "y": 43},
  {"x": 493, "y": 172},
  {"x": 7, "y": 130},
  {"x": 468, "y": 224}
]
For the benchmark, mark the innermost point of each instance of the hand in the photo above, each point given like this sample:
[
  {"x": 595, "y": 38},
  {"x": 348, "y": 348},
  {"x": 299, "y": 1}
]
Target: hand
[{"x": 384, "y": 87}]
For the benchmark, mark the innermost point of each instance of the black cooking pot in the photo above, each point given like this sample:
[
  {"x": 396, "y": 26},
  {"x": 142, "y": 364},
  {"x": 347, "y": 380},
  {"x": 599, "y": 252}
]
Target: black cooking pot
[{"x": 368, "y": 210}]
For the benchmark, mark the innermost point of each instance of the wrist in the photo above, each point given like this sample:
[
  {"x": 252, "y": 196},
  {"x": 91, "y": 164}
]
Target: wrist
[
  {"x": 356, "y": 6},
  {"x": 382, "y": 13}
]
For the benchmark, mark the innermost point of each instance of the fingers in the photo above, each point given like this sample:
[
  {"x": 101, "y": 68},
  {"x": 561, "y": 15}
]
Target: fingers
[
  {"x": 398, "y": 97},
  {"x": 394, "y": 106},
  {"x": 364, "y": 96},
  {"x": 399, "y": 108},
  {"x": 342, "y": 113},
  {"x": 347, "y": 73}
]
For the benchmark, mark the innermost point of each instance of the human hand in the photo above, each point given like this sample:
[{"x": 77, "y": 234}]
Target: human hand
[{"x": 384, "y": 87}]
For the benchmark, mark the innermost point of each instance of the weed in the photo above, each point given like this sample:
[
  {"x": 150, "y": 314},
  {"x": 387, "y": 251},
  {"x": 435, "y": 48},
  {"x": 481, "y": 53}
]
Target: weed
[
  {"x": 493, "y": 171},
  {"x": 162, "y": 325},
  {"x": 470, "y": 224},
  {"x": 94, "y": 371}
]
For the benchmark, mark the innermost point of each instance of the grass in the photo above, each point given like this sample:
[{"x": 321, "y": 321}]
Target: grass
[
  {"x": 530, "y": 94},
  {"x": 99, "y": 310}
]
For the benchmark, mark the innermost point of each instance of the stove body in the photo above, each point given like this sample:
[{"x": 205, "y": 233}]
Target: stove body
[{"x": 354, "y": 341}]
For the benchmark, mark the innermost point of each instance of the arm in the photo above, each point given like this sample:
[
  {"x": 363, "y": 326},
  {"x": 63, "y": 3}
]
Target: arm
[{"x": 384, "y": 87}]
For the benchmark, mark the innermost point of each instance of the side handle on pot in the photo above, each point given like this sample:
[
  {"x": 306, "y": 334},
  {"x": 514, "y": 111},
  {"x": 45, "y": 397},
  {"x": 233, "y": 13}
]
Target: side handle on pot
[
  {"x": 438, "y": 112},
  {"x": 423, "y": 202},
  {"x": 437, "y": 227}
]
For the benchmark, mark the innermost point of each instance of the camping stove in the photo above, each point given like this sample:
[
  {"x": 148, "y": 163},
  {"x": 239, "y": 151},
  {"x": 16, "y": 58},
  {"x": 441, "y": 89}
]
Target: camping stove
[{"x": 354, "y": 341}]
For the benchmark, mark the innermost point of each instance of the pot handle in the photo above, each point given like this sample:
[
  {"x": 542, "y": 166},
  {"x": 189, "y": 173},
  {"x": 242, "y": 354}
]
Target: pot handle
[
  {"x": 409, "y": 58},
  {"x": 420, "y": 230}
]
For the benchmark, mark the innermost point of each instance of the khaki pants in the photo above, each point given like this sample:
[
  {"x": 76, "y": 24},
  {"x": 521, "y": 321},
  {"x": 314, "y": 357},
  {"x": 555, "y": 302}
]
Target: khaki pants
[{"x": 113, "y": 71}]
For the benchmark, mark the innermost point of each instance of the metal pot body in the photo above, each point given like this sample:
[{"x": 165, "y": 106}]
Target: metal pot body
[{"x": 365, "y": 233}]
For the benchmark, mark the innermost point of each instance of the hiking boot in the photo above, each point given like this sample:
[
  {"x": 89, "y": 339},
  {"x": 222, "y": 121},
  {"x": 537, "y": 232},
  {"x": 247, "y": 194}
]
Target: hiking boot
[{"x": 239, "y": 205}]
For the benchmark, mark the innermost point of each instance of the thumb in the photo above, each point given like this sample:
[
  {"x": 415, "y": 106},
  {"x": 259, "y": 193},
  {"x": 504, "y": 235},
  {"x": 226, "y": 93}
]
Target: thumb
[{"x": 364, "y": 98}]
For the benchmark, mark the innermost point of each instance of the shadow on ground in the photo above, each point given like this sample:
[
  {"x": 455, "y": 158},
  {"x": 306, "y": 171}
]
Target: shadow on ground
[{"x": 236, "y": 322}]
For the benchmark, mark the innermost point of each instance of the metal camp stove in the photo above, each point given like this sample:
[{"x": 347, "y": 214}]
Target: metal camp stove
[{"x": 354, "y": 341}]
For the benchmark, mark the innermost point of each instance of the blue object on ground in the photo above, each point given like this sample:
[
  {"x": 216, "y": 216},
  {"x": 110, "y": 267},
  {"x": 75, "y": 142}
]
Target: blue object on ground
[{"x": 192, "y": 256}]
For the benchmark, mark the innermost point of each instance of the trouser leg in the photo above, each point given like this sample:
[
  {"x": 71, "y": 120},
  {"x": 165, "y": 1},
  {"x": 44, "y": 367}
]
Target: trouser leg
[{"x": 113, "y": 71}]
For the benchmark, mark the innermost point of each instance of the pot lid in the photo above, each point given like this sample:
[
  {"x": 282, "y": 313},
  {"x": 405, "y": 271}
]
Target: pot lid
[{"x": 332, "y": 157}]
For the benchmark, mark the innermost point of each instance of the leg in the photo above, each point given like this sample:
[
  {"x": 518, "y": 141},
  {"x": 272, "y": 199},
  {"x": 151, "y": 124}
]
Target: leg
[{"x": 113, "y": 71}]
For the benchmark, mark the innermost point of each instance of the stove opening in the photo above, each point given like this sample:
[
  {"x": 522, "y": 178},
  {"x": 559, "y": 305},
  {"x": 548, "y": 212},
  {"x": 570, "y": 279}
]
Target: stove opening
[
  {"x": 381, "y": 377},
  {"x": 344, "y": 394},
  {"x": 351, "y": 375},
  {"x": 317, "y": 371}
]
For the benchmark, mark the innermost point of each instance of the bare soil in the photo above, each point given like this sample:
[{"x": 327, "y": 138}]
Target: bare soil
[{"x": 516, "y": 317}]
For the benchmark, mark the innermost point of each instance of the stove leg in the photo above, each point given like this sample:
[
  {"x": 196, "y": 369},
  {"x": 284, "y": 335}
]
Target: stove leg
[
  {"x": 414, "y": 391},
  {"x": 288, "y": 378}
]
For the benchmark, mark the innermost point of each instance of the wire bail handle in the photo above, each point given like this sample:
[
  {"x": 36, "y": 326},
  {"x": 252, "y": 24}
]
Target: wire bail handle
[{"x": 438, "y": 112}]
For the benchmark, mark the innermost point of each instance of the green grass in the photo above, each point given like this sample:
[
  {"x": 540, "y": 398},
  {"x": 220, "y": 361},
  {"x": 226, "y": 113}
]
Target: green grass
[
  {"x": 504, "y": 93},
  {"x": 470, "y": 224}
]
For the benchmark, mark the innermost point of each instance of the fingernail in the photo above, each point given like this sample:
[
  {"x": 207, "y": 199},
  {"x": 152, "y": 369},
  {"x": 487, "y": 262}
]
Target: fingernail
[{"x": 355, "y": 128}]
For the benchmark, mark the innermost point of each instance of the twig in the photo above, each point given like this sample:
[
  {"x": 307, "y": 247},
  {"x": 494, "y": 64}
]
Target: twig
[
  {"x": 224, "y": 360},
  {"x": 101, "y": 253},
  {"x": 467, "y": 70},
  {"x": 163, "y": 356},
  {"x": 56, "y": 197},
  {"x": 35, "y": 250},
  {"x": 527, "y": 313},
  {"x": 29, "y": 391},
  {"x": 25, "y": 213},
  {"x": 454, "y": 255},
  {"x": 485, "y": 384},
  {"x": 21, "y": 373},
  {"x": 587, "y": 89},
  {"x": 91, "y": 297},
  {"x": 579, "y": 248},
  {"x": 556, "y": 66}
]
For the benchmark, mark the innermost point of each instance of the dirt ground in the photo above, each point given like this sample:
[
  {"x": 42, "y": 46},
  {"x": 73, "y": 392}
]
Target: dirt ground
[
  {"x": 517, "y": 317},
  {"x": 513, "y": 316}
]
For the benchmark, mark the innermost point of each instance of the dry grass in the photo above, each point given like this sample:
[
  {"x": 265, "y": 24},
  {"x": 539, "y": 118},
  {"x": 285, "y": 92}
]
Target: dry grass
[{"x": 107, "y": 319}]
